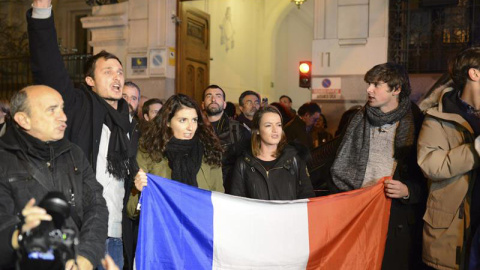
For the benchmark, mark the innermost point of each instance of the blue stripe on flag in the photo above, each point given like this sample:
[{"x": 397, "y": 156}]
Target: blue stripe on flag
[{"x": 179, "y": 236}]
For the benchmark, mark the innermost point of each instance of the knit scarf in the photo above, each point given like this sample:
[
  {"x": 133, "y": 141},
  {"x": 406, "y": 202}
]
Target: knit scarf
[
  {"x": 121, "y": 162},
  {"x": 348, "y": 169},
  {"x": 43, "y": 150},
  {"x": 184, "y": 158}
]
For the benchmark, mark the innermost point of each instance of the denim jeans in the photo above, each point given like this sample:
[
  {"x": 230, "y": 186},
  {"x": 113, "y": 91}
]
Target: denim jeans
[{"x": 114, "y": 248}]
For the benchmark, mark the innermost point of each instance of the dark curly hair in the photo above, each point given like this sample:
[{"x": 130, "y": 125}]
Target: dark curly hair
[
  {"x": 156, "y": 136},
  {"x": 256, "y": 140}
]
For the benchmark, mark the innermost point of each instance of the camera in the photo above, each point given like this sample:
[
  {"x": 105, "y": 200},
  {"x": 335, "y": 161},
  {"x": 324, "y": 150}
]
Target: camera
[{"x": 51, "y": 240}]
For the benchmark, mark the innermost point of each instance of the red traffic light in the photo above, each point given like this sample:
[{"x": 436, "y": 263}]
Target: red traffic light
[
  {"x": 305, "y": 76},
  {"x": 304, "y": 67}
]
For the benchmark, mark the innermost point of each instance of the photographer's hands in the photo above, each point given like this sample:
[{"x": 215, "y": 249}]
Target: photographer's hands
[
  {"x": 32, "y": 217},
  {"x": 82, "y": 264},
  {"x": 109, "y": 264}
]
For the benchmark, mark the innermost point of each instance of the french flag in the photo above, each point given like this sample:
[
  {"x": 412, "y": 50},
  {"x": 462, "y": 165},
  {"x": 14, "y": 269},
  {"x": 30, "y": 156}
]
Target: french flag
[{"x": 183, "y": 227}]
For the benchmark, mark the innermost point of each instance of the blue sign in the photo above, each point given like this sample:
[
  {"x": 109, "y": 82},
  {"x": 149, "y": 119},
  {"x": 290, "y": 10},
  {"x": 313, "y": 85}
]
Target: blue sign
[
  {"x": 326, "y": 83},
  {"x": 139, "y": 62}
]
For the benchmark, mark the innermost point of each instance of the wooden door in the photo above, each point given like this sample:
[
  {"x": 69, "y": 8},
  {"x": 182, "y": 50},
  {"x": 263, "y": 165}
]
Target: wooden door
[{"x": 193, "y": 47}]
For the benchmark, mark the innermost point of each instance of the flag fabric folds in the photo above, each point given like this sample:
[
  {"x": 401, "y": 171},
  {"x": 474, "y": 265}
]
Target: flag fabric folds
[{"x": 183, "y": 227}]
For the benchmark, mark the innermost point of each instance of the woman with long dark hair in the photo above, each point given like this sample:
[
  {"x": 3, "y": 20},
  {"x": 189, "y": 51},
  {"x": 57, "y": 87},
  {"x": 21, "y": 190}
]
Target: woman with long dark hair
[
  {"x": 179, "y": 145},
  {"x": 271, "y": 169}
]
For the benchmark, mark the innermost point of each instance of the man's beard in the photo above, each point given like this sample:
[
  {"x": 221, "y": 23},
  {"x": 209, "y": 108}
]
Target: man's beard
[{"x": 214, "y": 111}]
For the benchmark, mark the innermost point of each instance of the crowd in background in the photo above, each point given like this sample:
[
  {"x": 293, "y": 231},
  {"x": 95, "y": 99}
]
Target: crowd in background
[{"x": 105, "y": 137}]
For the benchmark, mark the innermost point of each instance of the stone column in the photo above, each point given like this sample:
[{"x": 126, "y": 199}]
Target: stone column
[{"x": 109, "y": 27}]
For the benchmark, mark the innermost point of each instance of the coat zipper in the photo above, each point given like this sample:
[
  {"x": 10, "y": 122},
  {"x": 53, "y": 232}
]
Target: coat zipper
[{"x": 268, "y": 171}]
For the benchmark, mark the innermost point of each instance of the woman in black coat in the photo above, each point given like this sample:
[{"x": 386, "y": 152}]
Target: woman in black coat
[{"x": 271, "y": 169}]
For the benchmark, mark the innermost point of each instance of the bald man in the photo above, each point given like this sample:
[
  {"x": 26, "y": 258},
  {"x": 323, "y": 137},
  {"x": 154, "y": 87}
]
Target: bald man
[{"x": 36, "y": 159}]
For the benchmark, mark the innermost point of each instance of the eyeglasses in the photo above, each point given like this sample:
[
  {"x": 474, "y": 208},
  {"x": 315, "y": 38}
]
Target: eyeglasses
[{"x": 249, "y": 102}]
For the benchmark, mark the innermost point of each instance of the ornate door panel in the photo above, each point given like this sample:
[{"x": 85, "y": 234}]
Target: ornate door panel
[{"x": 193, "y": 52}]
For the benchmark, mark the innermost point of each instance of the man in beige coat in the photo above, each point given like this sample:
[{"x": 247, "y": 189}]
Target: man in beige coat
[{"x": 447, "y": 156}]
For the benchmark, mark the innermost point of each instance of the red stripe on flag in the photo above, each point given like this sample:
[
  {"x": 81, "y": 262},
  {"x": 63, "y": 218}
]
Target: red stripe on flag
[{"x": 349, "y": 230}]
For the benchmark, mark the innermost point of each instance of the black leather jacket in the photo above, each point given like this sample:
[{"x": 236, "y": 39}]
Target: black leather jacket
[
  {"x": 235, "y": 139},
  {"x": 24, "y": 174},
  {"x": 288, "y": 179}
]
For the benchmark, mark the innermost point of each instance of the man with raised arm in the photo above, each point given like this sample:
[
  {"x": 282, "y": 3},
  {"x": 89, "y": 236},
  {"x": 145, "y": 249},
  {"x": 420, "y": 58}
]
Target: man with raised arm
[{"x": 98, "y": 120}]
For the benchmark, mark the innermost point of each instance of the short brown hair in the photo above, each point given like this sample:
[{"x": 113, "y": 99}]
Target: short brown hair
[
  {"x": 92, "y": 60},
  {"x": 256, "y": 140},
  {"x": 464, "y": 61},
  {"x": 146, "y": 105},
  {"x": 214, "y": 86},
  {"x": 394, "y": 75}
]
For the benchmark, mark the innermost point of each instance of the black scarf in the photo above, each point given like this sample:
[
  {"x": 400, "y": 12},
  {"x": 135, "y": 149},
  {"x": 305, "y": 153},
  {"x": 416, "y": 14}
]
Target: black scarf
[
  {"x": 348, "y": 169},
  {"x": 221, "y": 125},
  {"x": 121, "y": 161},
  {"x": 184, "y": 158},
  {"x": 35, "y": 147},
  {"x": 244, "y": 120}
]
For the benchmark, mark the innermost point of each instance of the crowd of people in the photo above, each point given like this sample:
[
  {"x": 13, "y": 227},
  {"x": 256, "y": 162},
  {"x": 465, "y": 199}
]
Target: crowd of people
[{"x": 95, "y": 144}]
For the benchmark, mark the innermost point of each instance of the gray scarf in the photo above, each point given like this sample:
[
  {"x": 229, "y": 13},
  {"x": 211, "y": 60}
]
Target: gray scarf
[{"x": 348, "y": 169}]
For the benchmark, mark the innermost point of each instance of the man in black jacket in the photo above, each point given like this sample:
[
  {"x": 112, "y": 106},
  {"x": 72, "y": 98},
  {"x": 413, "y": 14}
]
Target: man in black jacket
[
  {"x": 249, "y": 103},
  {"x": 98, "y": 120},
  {"x": 131, "y": 93},
  {"x": 299, "y": 129},
  {"x": 235, "y": 138},
  {"x": 34, "y": 160}
]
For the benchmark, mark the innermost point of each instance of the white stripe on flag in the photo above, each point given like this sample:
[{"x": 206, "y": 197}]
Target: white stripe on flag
[{"x": 259, "y": 235}]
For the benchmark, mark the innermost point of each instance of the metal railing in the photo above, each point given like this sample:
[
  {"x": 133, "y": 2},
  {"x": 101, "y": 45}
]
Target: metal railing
[
  {"x": 14, "y": 75},
  {"x": 15, "y": 72}
]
